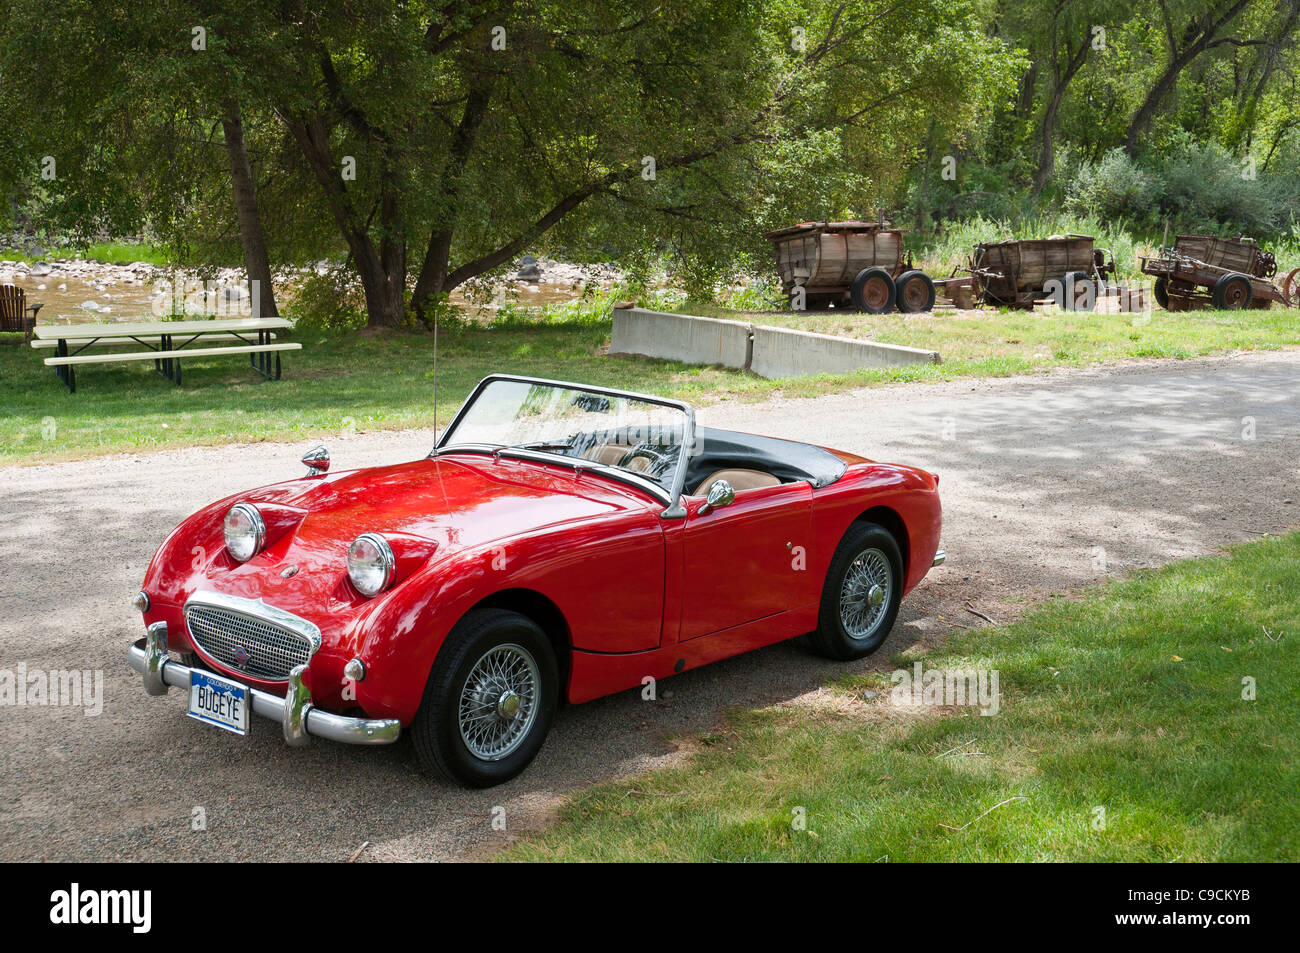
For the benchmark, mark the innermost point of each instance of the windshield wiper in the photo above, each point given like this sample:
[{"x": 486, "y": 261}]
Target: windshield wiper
[{"x": 544, "y": 445}]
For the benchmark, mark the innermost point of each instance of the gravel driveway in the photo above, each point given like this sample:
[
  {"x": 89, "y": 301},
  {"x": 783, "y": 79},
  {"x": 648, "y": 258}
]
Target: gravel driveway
[{"x": 1048, "y": 482}]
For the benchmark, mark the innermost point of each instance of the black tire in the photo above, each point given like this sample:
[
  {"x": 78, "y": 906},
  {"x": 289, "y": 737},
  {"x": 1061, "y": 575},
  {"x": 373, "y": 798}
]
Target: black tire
[
  {"x": 873, "y": 291},
  {"x": 1232, "y": 292},
  {"x": 1161, "y": 292},
  {"x": 914, "y": 292},
  {"x": 832, "y": 638},
  {"x": 436, "y": 734},
  {"x": 1074, "y": 283}
]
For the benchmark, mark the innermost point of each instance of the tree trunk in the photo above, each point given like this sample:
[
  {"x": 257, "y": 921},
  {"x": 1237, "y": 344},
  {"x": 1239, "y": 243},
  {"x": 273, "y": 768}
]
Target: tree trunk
[
  {"x": 1047, "y": 154},
  {"x": 256, "y": 262},
  {"x": 382, "y": 270},
  {"x": 1197, "y": 43}
]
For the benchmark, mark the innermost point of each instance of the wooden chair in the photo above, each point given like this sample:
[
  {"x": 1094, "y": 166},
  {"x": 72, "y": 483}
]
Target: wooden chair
[{"x": 15, "y": 313}]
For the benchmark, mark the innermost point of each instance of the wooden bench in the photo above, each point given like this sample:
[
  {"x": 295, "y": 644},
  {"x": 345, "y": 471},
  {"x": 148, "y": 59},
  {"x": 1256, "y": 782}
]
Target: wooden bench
[{"x": 170, "y": 361}]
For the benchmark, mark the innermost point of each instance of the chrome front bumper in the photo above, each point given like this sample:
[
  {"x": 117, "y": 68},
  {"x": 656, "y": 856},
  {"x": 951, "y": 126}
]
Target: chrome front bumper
[{"x": 299, "y": 719}]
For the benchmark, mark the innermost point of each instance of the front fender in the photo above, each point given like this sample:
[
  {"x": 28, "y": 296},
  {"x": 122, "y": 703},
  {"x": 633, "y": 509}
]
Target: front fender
[{"x": 605, "y": 575}]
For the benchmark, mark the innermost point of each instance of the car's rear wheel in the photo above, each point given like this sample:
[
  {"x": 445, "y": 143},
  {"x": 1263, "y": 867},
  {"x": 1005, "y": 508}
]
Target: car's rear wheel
[
  {"x": 864, "y": 587},
  {"x": 489, "y": 701}
]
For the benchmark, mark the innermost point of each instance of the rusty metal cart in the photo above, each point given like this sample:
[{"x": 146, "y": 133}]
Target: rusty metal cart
[
  {"x": 1202, "y": 271},
  {"x": 1020, "y": 273},
  {"x": 824, "y": 264}
]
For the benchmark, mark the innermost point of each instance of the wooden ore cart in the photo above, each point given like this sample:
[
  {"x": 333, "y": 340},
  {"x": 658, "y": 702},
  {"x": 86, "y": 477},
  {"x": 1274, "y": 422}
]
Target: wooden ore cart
[
  {"x": 841, "y": 264},
  {"x": 1017, "y": 273},
  {"x": 1202, "y": 271}
]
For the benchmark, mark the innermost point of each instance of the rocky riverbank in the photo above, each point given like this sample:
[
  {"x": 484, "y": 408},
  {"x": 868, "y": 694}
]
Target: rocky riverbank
[{"x": 78, "y": 289}]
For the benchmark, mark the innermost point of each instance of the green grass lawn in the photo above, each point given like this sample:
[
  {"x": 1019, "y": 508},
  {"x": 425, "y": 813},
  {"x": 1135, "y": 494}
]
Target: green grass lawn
[
  {"x": 1129, "y": 701},
  {"x": 111, "y": 253},
  {"x": 1010, "y": 341},
  {"x": 365, "y": 381},
  {"x": 335, "y": 383}
]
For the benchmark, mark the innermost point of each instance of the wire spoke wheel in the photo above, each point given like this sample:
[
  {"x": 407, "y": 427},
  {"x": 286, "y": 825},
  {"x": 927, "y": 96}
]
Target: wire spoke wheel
[
  {"x": 865, "y": 594},
  {"x": 499, "y": 701}
]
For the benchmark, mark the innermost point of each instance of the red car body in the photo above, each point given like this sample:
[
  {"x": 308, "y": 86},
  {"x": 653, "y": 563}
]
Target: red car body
[{"x": 621, "y": 592}]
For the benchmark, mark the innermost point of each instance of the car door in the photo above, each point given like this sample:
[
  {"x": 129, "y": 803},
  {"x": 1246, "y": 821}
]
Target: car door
[{"x": 746, "y": 560}]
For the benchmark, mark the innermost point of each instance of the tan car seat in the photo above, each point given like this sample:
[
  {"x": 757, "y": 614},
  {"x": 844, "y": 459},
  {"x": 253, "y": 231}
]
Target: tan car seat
[
  {"x": 739, "y": 480},
  {"x": 607, "y": 453}
]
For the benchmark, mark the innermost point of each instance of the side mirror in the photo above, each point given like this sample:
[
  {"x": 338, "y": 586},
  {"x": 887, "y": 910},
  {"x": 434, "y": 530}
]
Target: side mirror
[
  {"x": 317, "y": 461},
  {"x": 721, "y": 493}
]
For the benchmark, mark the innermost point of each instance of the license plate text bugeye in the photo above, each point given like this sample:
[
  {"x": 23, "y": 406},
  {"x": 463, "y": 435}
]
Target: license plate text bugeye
[{"x": 219, "y": 701}]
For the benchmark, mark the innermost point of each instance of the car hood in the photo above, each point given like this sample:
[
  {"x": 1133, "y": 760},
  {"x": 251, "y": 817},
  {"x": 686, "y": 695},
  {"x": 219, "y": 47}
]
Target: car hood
[{"x": 427, "y": 509}]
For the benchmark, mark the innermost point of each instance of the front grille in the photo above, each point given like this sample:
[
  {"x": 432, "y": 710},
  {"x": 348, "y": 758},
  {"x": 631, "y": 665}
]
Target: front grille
[{"x": 249, "y": 643}]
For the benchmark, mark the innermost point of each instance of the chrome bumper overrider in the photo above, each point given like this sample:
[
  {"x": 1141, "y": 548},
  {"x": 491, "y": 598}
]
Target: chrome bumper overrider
[
  {"x": 939, "y": 557},
  {"x": 298, "y": 718}
]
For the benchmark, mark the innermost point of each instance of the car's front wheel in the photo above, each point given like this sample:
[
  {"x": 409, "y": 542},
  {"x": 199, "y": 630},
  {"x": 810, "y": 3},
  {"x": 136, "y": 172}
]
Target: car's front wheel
[
  {"x": 489, "y": 701},
  {"x": 864, "y": 587}
]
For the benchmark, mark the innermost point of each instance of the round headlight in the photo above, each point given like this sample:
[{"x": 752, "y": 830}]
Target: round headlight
[
  {"x": 371, "y": 565},
  {"x": 245, "y": 532}
]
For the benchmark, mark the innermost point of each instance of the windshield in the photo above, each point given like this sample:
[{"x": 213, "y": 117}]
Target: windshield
[{"x": 628, "y": 432}]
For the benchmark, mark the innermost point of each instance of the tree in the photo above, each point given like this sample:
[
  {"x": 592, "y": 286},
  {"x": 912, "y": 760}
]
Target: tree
[
  {"x": 1201, "y": 30},
  {"x": 438, "y": 139}
]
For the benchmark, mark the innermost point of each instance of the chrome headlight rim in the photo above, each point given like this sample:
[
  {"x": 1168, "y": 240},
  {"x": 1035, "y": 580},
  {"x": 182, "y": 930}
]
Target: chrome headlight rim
[
  {"x": 387, "y": 564},
  {"x": 256, "y": 523}
]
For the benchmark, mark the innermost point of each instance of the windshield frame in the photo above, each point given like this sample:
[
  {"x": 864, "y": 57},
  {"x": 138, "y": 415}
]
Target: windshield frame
[{"x": 672, "y": 497}]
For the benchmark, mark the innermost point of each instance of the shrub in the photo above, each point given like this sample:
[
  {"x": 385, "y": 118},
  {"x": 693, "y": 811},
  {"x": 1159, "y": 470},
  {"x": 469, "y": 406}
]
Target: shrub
[
  {"x": 1113, "y": 187},
  {"x": 330, "y": 301}
]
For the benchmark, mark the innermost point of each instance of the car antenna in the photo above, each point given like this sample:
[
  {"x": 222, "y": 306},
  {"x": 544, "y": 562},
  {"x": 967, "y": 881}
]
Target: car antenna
[
  {"x": 435, "y": 378},
  {"x": 437, "y": 464}
]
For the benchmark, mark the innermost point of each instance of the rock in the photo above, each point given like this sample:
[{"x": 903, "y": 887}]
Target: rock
[
  {"x": 41, "y": 269},
  {"x": 89, "y": 305}
]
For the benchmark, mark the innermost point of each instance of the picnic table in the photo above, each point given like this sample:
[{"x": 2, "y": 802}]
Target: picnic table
[{"x": 164, "y": 343}]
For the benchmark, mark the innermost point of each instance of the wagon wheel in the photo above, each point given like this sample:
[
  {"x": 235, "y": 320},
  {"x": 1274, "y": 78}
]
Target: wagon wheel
[
  {"x": 1161, "y": 291},
  {"x": 1082, "y": 291},
  {"x": 1232, "y": 292},
  {"x": 915, "y": 292},
  {"x": 1291, "y": 288},
  {"x": 873, "y": 291}
]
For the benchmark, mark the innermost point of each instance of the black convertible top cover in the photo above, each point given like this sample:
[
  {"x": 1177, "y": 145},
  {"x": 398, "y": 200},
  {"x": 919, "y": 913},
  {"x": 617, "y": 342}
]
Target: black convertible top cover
[{"x": 787, "y": 460}]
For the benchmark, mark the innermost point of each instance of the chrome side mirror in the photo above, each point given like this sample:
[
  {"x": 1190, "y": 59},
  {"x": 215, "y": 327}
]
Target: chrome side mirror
[
  {"x": 317, "y": 461},
  {"x": 721, "y": 493}
]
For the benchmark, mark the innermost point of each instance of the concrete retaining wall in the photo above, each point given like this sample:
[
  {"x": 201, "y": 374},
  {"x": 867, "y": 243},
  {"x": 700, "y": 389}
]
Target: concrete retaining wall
[
  {"x": 783, "y": 352},
  {"x": 680, "y": 337},
  {"x": 767, "y": 351}
]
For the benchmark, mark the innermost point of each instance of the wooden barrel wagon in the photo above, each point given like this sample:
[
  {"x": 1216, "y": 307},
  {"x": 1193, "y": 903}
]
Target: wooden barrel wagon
[
  {"x": 1021, "y": 273},
  {"x": 1202, "y": 271},
  {"x": 825, "y": 264}
]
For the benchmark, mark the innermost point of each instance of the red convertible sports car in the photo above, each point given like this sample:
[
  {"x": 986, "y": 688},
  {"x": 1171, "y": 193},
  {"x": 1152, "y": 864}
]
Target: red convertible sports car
[{"x": 560, "y": 543}]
